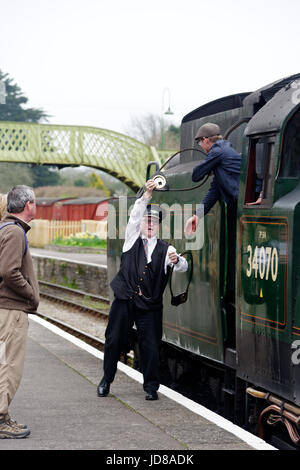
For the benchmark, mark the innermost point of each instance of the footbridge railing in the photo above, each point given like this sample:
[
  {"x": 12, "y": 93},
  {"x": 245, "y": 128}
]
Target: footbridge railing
[{"x": 115, "y": 153}]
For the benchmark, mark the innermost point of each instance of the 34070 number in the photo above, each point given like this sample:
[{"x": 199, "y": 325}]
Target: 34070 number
[{"x": 262, "y": 262}]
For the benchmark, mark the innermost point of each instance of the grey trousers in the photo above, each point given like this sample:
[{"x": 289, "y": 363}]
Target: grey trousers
[{"x": 13, "y": 336}]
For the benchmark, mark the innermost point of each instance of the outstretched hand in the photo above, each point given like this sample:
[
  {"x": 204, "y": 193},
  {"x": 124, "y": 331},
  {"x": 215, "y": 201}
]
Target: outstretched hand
[
  {"x": 191, "y": 224},
  {"x": 150, "y": 186}
]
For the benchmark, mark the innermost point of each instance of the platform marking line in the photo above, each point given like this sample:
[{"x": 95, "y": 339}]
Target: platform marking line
[
  {"x": 196, "y": 408},
  {"x": 68, "y": 260}
]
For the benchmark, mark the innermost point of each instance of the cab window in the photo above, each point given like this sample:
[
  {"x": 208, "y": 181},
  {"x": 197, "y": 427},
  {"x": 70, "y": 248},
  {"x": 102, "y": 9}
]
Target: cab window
[
  {"x": 259, "y": 176},
  {"x": 290, "y": 155}
]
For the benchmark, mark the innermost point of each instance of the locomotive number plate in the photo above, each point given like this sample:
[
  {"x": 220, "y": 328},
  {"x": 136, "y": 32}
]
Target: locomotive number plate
[{"x": 263, "y": 270}]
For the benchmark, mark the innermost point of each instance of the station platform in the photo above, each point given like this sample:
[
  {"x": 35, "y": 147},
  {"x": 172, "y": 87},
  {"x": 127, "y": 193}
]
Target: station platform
[
  {"x": 89, "y": 258},
  {"x": 57, "y": 400}
]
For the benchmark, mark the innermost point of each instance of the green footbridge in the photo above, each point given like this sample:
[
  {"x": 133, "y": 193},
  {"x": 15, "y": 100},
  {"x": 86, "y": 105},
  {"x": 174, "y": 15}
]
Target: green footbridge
[{"x": 44, "y": 144}]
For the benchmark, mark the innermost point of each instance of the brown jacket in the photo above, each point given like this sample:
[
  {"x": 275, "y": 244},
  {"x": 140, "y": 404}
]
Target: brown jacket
[{"x": 19, "y": 288}]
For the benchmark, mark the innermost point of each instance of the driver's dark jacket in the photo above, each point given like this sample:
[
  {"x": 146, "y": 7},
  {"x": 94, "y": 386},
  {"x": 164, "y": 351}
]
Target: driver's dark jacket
[{"x": 225, "y": 163}]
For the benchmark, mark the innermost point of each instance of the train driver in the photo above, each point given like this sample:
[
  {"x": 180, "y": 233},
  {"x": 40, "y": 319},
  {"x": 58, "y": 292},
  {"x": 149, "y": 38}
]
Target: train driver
[{"x": 225, "y": 163}]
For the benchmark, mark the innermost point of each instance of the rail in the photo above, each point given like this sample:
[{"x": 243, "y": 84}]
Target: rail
[
  {"x": 82, "y": 308},
  {"x": 91, "y": 303}
]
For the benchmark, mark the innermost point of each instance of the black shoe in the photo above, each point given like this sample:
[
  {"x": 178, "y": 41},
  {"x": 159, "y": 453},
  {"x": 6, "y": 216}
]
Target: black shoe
[
  {"x": 103, "y": 388},
  {"x": 151, "y": 395}
]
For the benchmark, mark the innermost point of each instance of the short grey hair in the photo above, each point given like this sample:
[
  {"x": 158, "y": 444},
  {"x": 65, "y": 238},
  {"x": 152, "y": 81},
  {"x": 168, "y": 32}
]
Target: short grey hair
[{"x": 17, "y": 198}]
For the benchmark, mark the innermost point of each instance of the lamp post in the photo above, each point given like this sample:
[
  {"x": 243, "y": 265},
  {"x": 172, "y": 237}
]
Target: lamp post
[
  {"x": 2, "y": 92},
  {"x": 167, "y": 112}
]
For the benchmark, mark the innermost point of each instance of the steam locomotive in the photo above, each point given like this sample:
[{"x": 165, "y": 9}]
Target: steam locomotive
[{"x": 240, "y": 340}]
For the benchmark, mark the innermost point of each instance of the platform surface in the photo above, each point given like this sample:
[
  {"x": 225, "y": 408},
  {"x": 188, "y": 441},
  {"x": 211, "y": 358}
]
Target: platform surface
[
  {"x": 86, "y": 258},
  {"x": 57, "y": 400}
]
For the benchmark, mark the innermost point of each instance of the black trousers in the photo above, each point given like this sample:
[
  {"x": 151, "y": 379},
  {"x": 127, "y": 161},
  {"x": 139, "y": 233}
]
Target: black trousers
[{"x": 122, "y": 315}]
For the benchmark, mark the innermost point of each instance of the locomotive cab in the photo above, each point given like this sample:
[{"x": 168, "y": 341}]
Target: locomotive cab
[{"x": 268, "y": 253}]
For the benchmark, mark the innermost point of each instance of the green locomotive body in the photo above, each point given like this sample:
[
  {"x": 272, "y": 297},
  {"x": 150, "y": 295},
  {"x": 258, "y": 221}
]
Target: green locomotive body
[{"x": 253, "y": 336}]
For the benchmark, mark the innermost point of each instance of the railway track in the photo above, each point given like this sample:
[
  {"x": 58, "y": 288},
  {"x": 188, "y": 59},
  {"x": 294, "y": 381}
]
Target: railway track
[
  {"x": 76, "y": 299},
  {"x": 87, "y": 338},
  {"x": 76, "y": 313}
]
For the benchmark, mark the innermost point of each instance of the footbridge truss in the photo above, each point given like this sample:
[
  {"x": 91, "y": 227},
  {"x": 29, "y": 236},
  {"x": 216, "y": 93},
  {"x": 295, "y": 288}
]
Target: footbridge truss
[{"x": 117, "y": 154}]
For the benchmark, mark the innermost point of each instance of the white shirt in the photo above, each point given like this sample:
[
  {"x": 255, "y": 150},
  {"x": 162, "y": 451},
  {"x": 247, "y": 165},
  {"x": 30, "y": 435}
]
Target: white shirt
[{"x": 133, "y": 232}]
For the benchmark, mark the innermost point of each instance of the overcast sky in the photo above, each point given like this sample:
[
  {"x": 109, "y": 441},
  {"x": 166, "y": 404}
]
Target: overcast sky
[{"x": 100, "y": 62}]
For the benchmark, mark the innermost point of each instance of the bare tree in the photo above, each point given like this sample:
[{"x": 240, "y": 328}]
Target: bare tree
[{"x": 148, "y": 129}]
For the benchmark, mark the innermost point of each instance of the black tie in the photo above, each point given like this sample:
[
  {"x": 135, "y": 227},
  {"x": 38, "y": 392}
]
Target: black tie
[{"x": 145, "y": 241}]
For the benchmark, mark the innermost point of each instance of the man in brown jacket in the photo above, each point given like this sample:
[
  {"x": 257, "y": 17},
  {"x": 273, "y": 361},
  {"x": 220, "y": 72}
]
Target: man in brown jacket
[{"x": 19, "y": 295}]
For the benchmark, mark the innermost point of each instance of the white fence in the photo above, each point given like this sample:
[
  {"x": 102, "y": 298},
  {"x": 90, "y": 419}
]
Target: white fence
[{"x": 44, "y": 232}]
